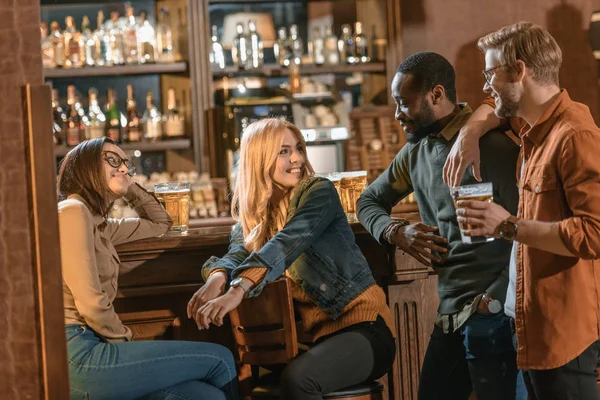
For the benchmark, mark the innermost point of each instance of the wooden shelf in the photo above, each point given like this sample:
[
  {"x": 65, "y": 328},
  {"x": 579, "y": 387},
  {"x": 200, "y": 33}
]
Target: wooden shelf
[
  {"x": 305, "y": 69},
  {"x": 176, "y": 144},
  {"x": 158, "y": 68}
]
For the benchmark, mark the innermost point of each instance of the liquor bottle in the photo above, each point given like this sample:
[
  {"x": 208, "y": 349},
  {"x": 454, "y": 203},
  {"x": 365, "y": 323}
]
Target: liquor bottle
[
  {"x": 295, "y": 42},
  {"x": 102, "y": 41},
  {"x": 116, "y": 39},
  {"x": 48, "y": 59},
  {"x": 131, "y": 31},
  {"x": 174, "y": 121},
  {"x": 239, "y": 51},
  {"x": 346, "y": 45},
  {"x": 113, "y": 118},
  {"x": 73, "y": 45},
  {"x": 88, "y": 51},
  {"x": 74, "y": 125},
  {"x": 58, "y": 44},
  {"x": 294, "y": 75},
  {"x": 96, "y": 121},
  {"x": 133, "y": 129},
  {"x": 378, "y": 46},
  {"x": 151, "y": 120},
  {"x": 147, "y": 37},
  {"x": 164, "y": 38},
  {"x": 59, "y": 119},
  {"x": 217, "y": 56},
  {"x": 283, "y": 53},
  {"x": 361, "y": 44},
  {"x": 256, "y": 46},
  {"x": 318, "y": 47},
  {"x": 332, "y": 53}
]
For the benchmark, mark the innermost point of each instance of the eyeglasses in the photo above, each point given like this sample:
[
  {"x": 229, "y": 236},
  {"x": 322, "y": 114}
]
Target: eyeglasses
[
  {"x": 115, "y": 161},
  {"x": 489, "y": 75}
]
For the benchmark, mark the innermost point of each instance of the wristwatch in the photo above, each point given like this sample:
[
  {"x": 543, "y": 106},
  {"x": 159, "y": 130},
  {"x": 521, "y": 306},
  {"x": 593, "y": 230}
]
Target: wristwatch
[
  {"x": 245, "y": 284},
  {"x": 508, "y": 228},
  {"x": 493, "y": 305}
]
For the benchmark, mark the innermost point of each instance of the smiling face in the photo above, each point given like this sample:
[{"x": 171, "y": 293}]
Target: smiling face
[
  {"x": 117, "y": 178},
  {"x": 290, "y": 165},
  {"x": 413, "y": 108},
  {"x": 502, "y": 87}
]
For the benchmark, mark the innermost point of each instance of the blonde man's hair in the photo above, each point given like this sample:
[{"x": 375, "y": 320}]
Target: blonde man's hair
[
  {"x": 529, "y": 43},
  {"x": 260, "y": 147}
]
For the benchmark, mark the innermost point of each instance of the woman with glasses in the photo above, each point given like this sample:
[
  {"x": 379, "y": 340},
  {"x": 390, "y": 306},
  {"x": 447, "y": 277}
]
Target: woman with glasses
[{"x": 103, "y": 362}]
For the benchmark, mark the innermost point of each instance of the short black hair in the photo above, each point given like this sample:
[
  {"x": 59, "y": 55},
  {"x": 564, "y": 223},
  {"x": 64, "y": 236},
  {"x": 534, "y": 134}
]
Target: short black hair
[{"x": 430, "y": 69}]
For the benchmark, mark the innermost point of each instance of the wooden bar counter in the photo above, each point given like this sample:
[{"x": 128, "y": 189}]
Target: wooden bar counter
[{"x": 164, "y": 272}]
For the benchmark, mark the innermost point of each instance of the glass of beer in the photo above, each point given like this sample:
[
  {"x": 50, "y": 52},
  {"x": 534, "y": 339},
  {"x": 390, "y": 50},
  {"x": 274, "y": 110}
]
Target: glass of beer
[
  {"x": 351, "y": 187},
  {"x": 480, "y": 192},
  {"x": 175, "y": 198}
]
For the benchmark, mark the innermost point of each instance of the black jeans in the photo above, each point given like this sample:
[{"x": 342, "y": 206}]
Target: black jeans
[
  {"x": 575, "y": 380},
  {"x": 478, "y": 357},
  {"x": 354, "y": 355}
]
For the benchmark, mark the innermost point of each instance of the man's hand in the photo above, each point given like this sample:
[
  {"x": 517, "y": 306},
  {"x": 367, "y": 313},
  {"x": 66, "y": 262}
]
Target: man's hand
[
  {"x": 215, "y": 310},
  {"x": 213, "y": 288},
  {"x": 464, "y": 152},
  {"x": 418, "y": 241},
  {"x": 483, "y": 217}
]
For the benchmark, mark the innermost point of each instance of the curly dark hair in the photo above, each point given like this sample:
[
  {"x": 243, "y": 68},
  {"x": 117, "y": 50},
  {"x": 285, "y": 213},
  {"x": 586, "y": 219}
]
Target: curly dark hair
[{"x": 428, "y": 70}]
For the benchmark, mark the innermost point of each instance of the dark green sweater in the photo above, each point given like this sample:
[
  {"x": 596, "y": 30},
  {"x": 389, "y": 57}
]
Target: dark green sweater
[{"x": 468, "y": 270}]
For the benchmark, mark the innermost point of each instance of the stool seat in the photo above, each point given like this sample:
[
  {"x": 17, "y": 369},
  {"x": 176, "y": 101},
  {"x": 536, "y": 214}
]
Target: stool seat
[{"x": 270, "y": 390}]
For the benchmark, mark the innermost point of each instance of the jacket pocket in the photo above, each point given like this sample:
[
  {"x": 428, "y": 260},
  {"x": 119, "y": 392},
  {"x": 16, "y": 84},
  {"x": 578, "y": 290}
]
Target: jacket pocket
[
  {"x": 319, "y": 279},
  {"x": 540, "y": 194}
]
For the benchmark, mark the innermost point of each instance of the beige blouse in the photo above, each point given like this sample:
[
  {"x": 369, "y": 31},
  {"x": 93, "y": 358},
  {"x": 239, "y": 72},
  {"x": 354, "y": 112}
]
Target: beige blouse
[{"x": 90, "y": 264}]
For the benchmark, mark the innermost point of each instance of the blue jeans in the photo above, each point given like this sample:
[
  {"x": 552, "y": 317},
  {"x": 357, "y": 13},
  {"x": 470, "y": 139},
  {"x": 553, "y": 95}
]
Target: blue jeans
[
  {"x": 478, "y": 357},
  {"x": 151, "y": 370}
]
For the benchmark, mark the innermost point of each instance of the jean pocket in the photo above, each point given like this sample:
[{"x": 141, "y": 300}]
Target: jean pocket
[{"x": 77, "y": 394}]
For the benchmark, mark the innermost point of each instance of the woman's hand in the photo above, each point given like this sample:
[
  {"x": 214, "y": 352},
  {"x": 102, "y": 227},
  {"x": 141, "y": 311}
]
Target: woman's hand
[
  {"x": 215, "y": 310},
  {"x": 213, "y": 288},
  {"x": 418, "y": 241}
]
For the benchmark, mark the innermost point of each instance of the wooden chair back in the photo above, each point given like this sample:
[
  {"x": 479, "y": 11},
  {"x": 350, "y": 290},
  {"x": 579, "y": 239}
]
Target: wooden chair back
[{"x": 264, "y": 327}]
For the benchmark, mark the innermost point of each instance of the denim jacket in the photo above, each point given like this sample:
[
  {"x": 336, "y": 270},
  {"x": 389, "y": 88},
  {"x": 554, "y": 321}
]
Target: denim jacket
[{"x": 316, "y": 246}]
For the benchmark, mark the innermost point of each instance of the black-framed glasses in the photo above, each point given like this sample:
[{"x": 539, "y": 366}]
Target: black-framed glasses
[
  {"x": 115, "y": 161},
  {"x": 489, "y": 74}
]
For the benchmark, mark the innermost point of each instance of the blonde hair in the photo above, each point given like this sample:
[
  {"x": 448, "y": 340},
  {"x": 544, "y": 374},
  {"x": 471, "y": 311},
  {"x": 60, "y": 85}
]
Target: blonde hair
[
  {"x": 260, "y": 147},
  {"x": 529, "y": 43}
]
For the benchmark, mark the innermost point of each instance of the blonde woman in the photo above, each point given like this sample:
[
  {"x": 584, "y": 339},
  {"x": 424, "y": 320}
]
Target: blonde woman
[{"x": 292, "y": 223}]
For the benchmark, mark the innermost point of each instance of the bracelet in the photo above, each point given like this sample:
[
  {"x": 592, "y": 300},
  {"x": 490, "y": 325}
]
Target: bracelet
[{"x": 392, "y": 228}]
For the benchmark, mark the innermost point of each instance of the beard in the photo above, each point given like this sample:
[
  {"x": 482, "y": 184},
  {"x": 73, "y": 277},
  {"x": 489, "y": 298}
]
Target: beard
[
  {"x": 424, "y": 124},
  {"x": 509, "y": 102}
]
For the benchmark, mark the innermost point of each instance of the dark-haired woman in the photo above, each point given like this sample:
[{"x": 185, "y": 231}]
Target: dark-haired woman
[{"x": 103, "y": 363}]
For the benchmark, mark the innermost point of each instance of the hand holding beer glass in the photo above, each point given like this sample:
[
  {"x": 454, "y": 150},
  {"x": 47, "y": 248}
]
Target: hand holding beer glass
[
  {"x": 479, "y": 192},
  {"x": 175, "y": 198}
]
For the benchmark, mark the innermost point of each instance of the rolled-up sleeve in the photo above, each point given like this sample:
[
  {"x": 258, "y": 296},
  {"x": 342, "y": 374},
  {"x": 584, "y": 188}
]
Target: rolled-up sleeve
[{"x": 580, "y": 173}]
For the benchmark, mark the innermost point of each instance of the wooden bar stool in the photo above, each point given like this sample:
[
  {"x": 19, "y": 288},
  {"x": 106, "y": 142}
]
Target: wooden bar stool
[{"x": 264, "y": 329}]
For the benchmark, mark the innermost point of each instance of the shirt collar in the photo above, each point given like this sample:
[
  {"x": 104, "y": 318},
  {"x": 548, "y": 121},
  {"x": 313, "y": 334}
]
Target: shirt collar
[
  {"x": 98, "y": 220},
  {"x": 538, "y": 132},
  {"x": 459, "y": 120}
]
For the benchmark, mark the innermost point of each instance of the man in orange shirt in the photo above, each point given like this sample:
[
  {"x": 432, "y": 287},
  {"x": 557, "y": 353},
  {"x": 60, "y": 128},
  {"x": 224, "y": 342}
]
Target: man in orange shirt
[{"x": 554, "y": 288}]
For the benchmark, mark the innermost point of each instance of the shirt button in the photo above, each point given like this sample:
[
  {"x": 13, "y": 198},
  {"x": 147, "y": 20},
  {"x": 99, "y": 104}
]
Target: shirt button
[
  {"x": 537, "y": 188},
  {"x": 323, "y": 287}
]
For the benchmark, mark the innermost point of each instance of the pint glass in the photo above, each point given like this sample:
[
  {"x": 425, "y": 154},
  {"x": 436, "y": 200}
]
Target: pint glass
[
  {"x": 175, "y": 198},
  {"x": 481, "y": 192}
]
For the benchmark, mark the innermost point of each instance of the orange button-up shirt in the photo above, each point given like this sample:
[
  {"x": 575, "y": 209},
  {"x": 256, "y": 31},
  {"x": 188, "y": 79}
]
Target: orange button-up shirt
[{"x": 558, "y": 297}]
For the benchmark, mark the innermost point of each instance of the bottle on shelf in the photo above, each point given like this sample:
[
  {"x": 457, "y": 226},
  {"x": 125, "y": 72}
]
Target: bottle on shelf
[
  {"x": 239, "y": 50},
  {"x": 294, "y": 75},
  {"x": 346, "y": 45},
  {"x": 103, "y": 45},
  {"x": 133, "y": 129},
  {"x": 74, "y": 125},
  {"x": 113, "y": 118},
  {"x": 59, "y": 119},
  {"x": 295, "y": 42},
  {"x": 151, "y": 120},
  {"x": 378, "y": 46},
  {"x": 73, "y": 45},
  {"x": 256, "y": 46},
  {"x": 331, "y": 51},
  {"x": 361, "y": 44},
  {"x": 58, "y": 44},
  {"x": 48, "y": 58},
  {"x": 164, "y": 38},
  {"x": 89, "y": 48},
  {"x": 131, "y": 38},
  {"x": 217, "y": 56},
  {"x": 317, "y": 46},
  {"x": 116, "y": 39},
  {"x": 96, "y": 120},
  {"x": 283, "y": 53},
  {"x": 147, "y": 39},
  {"x": 173, "y": 119}
]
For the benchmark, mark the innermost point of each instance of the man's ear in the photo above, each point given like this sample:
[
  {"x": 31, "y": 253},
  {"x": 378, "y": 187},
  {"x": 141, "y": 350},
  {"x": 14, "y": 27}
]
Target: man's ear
[
  {"x": 520, "y": 69},
  {"x": 438, "y": 93}
]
